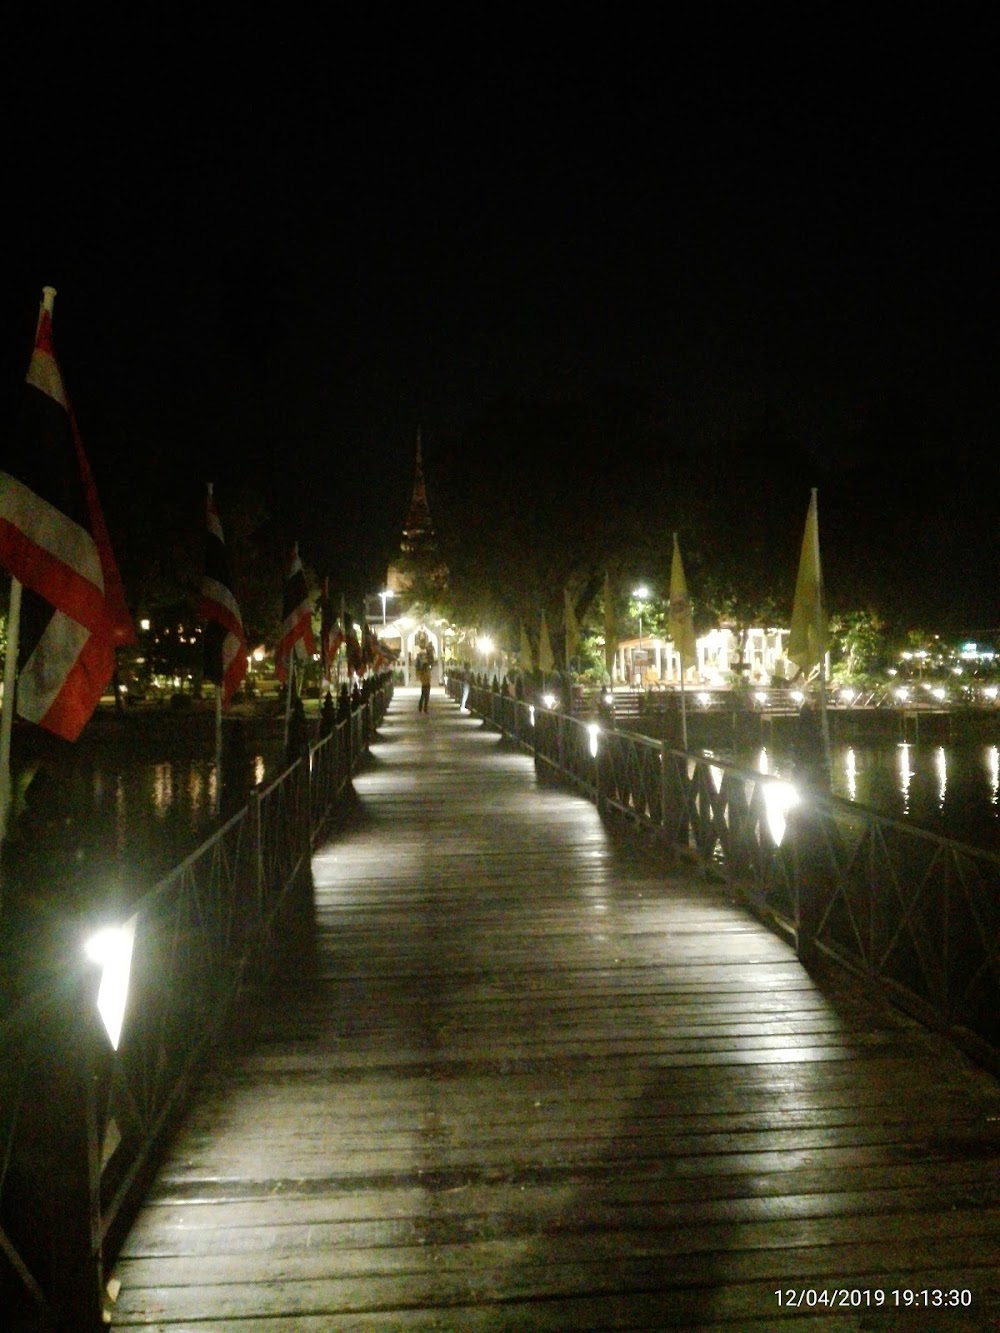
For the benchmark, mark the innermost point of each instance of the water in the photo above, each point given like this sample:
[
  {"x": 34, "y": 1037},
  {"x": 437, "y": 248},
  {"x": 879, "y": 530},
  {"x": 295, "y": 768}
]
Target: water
[
  {"x": 102, "y": 829},
  {"x": 953, "y": 790},
  {"x": 109, "y": 827}
]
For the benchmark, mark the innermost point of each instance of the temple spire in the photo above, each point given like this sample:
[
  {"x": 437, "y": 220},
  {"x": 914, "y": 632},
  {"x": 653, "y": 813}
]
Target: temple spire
[
  {"x": 418, "y": 530},
  {"x": 418, "y": 563}
]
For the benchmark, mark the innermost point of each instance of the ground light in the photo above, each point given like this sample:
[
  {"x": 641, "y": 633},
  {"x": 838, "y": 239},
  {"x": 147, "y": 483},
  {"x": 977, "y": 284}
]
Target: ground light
[
  {"x": 111, "y": 949},
  {"x": 593, "y": 731},
  {"x": 779, "y": 798}
]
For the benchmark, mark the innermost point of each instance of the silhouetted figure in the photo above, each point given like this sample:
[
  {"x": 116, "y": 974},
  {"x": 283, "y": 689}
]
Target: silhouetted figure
[
  {"x": 424, "y": 664},
  {"x": 298, "y": 740},
  {"x": 327, "y": 716}
]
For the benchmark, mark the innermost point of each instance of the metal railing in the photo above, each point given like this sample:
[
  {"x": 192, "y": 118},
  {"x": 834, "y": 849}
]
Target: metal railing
[
  {"x": 82, "y": 1116},
  {"x": 914, "y": 914}
]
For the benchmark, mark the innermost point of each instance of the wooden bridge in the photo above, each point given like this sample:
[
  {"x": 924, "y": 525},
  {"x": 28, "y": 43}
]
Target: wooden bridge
[{"x": 519, "y": 1070}]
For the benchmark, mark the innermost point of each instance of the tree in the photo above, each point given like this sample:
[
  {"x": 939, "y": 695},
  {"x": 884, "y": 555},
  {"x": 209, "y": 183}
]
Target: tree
[{"x": 859, "y": 646}]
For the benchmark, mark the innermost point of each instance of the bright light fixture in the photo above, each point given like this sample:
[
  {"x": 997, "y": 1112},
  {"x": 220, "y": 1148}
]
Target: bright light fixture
[
  {"x": 111, "y": 948},
  {"x": 779, "y": 798},
  {"x": 593, "y": 731}
]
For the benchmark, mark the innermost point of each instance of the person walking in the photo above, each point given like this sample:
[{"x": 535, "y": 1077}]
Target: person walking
[{"x": 424, "y": 665}]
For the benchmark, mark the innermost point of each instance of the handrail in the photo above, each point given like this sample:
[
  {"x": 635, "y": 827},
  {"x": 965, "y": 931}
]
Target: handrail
[
  {"x": 914, "y": 914},
  {"x": 80, "y": 1121}
]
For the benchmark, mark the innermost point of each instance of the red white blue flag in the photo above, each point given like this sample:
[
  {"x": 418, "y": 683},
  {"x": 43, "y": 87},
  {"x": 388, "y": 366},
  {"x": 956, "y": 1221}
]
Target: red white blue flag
[
  {"x": 54, "y": 541},
  {"x": 296, "y": 624},
  {"x": 355, "y": 657},
  {"x": 224, "y": 639}
]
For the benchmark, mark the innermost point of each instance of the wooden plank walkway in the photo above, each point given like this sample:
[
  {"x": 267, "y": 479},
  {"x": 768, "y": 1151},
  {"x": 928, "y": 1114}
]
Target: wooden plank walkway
[{"x": 524, "y": 1079}]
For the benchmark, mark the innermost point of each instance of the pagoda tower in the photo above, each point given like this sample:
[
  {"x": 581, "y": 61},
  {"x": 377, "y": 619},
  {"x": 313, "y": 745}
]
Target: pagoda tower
[{"x": 418, "y": 562}]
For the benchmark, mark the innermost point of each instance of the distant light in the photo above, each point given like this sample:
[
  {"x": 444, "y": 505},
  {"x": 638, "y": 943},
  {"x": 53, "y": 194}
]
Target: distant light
[
  {"x": 704, "y": 699},
  {"x": 902, "y": 693},
  {"x": 641, "y": 591},
  {"x": 111, "y": 948},
  {"x": 144, "y": 624},
  {"x": 939, "y": 693},
  {"x": 798, "y": 696},
  {"x": 761, "y": 697},
  {"x": 259, "y": 654},
  {"x": 549, "y": 700},
  {"x": 990, "y": 691},
  {"x": 484, "y": 644},
  {"x": 848, "y": 695}
]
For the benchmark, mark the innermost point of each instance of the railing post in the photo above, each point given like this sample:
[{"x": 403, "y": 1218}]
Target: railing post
[
  {"x": 810, "y": 878},
  {"x": 71, "y": 1121},
  {"x": 258, "y": 854},
  {"x": 663, "y": 784}
]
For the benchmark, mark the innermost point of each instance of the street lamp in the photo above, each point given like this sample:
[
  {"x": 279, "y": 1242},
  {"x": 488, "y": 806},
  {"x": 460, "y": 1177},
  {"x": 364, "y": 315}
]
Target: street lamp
[
  {"x": 640, "y": 594},
  {"x": 385, "y": 593}
]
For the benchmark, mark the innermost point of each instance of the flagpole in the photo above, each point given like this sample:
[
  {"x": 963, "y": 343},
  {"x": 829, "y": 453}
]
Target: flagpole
[
  {"x": 7, "y": 713},
  {"x": 288, "y": 697},
  {"x": 684, "y": 718},
  {"x": 218, "y": 750},
  {"x": 821, "y": 640}
]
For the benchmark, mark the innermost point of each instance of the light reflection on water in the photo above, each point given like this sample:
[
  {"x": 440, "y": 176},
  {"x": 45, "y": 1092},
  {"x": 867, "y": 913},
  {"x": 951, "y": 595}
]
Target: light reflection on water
[
  {"x": 951, "y": 789},
  {"x": 119, "y": 824}
]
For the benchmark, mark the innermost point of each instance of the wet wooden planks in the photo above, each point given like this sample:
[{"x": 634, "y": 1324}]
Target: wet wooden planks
[{"x": 518, "y": 1077}]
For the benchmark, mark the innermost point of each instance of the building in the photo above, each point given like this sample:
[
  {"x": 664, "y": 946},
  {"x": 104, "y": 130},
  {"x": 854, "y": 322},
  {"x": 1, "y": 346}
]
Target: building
[{"x": 415, "y": 582}]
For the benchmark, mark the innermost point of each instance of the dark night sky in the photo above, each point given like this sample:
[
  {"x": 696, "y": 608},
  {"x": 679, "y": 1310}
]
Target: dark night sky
[{"x": 274, "y": 262}]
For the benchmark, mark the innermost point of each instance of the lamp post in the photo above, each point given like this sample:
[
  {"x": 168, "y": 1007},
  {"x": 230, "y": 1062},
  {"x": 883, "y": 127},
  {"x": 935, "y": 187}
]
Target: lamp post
[
  {"x": 384, "y": 594},
  {"x": 484, "y": 645},
  {"x": 642, "y": 592}
]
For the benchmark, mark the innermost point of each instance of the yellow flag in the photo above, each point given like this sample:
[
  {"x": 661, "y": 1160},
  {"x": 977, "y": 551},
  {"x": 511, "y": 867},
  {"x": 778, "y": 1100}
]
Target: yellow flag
[
  {"x": 680, "y": 623},
  {"x": 610, "y": 631},
  {"x": 545, "y": 659},
  {"x": 524, "y": 658},
  {"x": 807, "y": 641},
  {"x": 571, "y": 625}
]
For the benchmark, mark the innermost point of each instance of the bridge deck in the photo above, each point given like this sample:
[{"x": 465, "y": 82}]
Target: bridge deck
[{"x": 525, "y": 1079}]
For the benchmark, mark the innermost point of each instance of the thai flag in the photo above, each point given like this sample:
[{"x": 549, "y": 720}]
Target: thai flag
[
  {"x": 296, "y": 625},
  {"x": 355, "y": 657},
  {"x": 224, "y": 639},
  {"x": 54, "y": 541}
]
